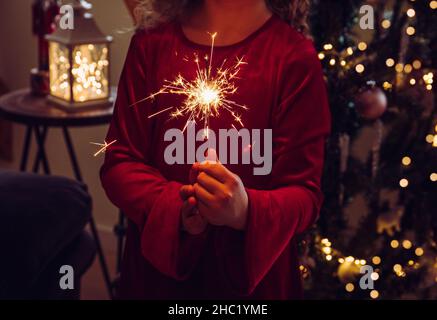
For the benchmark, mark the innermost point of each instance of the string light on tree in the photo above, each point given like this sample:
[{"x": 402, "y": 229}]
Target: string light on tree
[
  {"x": 429, "y": 138},
  {"x": 387, "y": 85},
  {"x": 403, "y": 183},
  {"x": 374, "y": 294},
  {"x": 398, "y": 270},
  {"x": 376, "y": 260},
  {"x": 362, "y": 46},
  {"x": 359, "y": 68},
  {"x": 410, "y": 31},
  {"x": 386, "y": 23},
  {"x": 406, "y": 161},
  {"x": 407, "y": 244},
  {"x": 390, "y": 62},
  {"x": 349, "y": 287},
  {"x": 411, "y": 12},
  {"x": 417, "y": 64},
  {"x": 399, "y": 67},
  {"x": 419, "y": 252},
  {"x": 429, "y": 80}
]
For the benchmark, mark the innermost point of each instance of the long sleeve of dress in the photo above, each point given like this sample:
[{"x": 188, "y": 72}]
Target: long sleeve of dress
[
  {"x": 292, "y": 200},
  {"x": 136, "y": 187}
]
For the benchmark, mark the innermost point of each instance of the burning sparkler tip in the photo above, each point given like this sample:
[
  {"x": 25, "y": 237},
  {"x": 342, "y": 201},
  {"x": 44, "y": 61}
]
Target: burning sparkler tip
[{"x": 207, "y": 94}]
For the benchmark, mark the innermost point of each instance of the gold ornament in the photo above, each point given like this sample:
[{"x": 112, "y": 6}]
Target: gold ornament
[
  {"x": 348, "y": 270},
  {"x": 390, "y": 222}
]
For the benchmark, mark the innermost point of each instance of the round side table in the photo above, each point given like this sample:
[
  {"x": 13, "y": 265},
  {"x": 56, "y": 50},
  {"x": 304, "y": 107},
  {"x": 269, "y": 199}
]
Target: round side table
[{"x": 38, "y": 115}]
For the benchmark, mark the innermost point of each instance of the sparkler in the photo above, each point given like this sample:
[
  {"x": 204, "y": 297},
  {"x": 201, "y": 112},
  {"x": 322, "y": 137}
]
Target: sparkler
[
  {"x": 104, "y": 146},
  {"x": 206, "y": 95}
]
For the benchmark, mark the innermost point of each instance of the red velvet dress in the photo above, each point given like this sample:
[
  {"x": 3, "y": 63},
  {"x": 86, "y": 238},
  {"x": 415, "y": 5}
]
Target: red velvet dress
[{"x": 283, "y": 87}]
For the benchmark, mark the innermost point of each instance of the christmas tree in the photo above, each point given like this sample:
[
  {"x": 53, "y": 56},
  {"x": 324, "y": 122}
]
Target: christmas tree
[{"x": 380, "y": 177}]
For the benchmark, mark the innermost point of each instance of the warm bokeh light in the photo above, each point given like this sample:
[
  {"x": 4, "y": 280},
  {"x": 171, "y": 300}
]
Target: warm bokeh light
[
  {"x": 410, "y": 31},
  {"x": 387, "y": 85},
  {"x": 362, "y": 46},
  {"x": 407, "y": 244},
  {"x": 359, "y": 68},
  {"x": 403, "y": 183},
  {"x": 399, "y": 67},
  {"x": 417, "y": 64},
  {"x": 374, "y": 294},
  {"x": 419, "y": 252},
  {"x": 386, "y": 23},
  {"x": 88, "y": 75},
  {"x": 397, "y": 268},
  {"x": 376, "y": 260},
  {"x": 406, "y": 161},
  {"x": 390, "y": 62},
  {"x": 408, "y": 68},
  {"x": 411, "y": 13},
  {"x": 349, "y": 287}
]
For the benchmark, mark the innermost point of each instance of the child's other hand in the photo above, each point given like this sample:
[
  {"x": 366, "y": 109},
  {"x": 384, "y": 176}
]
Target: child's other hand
[
  {"x": 192, "y": 221},
  {"x": 221, "y": 196}
]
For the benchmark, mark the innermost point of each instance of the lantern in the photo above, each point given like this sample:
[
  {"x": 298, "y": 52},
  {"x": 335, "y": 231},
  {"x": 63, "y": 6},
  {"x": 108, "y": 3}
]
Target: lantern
[{"x": 79, "y": 62}]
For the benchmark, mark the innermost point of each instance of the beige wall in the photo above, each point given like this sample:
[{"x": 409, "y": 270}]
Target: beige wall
[{"x": 18, "y": 56}]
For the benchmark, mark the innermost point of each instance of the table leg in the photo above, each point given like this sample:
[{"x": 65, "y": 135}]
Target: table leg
[
  {"x": 41, "y": 156},
  {"x": 72, "y": 154},
  {"x": 26, "y": 147},
  {"x": 94, "y": 231}
]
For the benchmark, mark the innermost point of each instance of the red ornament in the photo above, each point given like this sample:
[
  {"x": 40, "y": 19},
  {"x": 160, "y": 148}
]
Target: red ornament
[{"x": 371, "y": 103}]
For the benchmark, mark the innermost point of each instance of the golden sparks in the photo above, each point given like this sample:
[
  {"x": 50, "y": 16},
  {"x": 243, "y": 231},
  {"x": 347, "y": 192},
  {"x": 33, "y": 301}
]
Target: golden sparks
[
  {"x": 104, "y": 146},
  {"x": 207, "y": 94}
]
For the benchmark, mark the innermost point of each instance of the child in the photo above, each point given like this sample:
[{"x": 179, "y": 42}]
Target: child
[{"x": 208, "y": 230}]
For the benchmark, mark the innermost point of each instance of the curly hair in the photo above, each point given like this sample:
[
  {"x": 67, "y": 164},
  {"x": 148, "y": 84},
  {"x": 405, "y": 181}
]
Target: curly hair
[{"x": 150, "y": 13}]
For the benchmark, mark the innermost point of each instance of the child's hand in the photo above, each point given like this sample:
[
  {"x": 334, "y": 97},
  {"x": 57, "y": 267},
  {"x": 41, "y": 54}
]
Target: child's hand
[
  {"x": 192, "y": 221},
  {"x": 221, "y": 196}
]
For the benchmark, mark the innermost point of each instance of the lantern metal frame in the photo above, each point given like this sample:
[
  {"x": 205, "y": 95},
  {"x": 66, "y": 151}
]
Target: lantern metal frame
[{"x": 85, "y": 32}]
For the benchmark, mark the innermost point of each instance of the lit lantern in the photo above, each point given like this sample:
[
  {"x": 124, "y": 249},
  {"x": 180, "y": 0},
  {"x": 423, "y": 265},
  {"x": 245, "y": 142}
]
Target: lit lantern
[{"x": 79, "y": 62}]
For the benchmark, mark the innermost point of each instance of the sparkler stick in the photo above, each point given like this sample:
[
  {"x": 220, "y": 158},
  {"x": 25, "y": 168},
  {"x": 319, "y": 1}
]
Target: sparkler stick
[{"x": 205, "y": 96}]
